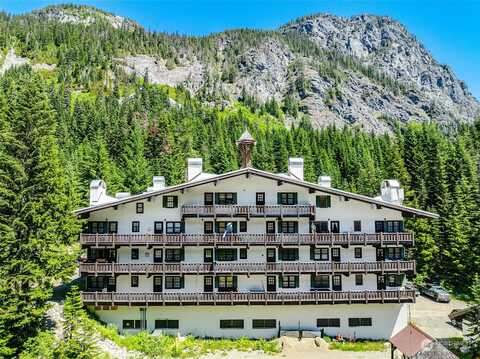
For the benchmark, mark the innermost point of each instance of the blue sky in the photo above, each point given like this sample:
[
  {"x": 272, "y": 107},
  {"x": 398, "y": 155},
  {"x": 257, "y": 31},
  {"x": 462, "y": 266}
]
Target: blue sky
[{"x": 449, "y": 29}]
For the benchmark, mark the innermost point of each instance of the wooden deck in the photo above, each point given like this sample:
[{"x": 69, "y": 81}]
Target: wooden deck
[
  {"x": 248, "y": 268},
  {"x": 248, "y": 211},
  {"x": 330, "y": 239},
  {"x": 248, "y": 298}
]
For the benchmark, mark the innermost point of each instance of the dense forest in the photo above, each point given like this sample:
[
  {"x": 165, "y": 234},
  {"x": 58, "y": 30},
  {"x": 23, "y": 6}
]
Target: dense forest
[{"x": 60, "y": 129}]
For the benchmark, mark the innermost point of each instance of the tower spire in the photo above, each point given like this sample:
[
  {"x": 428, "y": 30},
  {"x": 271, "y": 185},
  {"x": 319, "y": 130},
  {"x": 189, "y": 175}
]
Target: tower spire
[{"x": 245, "y": 143}]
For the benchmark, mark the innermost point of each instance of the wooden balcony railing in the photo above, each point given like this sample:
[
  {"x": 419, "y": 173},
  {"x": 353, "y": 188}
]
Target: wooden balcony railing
[
  {"x": 248, "y": 298},
  {"x": 248, "y": 268},
  {"x": 248, "y": 211},
  {"x": 343, "y": 239}
]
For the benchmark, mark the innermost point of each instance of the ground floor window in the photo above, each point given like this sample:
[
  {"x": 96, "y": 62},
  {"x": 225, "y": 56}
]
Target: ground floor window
[
  {"x": 394, "y": 280},
  {"x": 166, "y": 324},
  {"x": 132, "y": 324},
  {"x": 359, "y": 322},
  {"x": 328, "y": 323},
  {"x": 264, "y": 323},
  {"x": 231, "y": 324}
]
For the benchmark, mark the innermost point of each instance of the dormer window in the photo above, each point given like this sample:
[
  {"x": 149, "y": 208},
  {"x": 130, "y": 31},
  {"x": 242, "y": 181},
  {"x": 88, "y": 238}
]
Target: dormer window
[{"x": 140, "y": 207}]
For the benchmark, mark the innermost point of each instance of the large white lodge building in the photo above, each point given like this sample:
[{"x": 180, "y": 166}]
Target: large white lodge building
[{"x": 299, "y": 256}]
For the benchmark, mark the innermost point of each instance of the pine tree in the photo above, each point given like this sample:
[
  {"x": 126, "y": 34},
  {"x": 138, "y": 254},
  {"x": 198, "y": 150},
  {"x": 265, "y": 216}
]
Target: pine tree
[{"x": 135, "y": 166}]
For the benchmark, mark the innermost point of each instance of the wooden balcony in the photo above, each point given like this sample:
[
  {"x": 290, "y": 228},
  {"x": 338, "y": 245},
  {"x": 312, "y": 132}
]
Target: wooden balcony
[
  {"x": 248, "y": 211},
  {"x": 319, "y": 239},
  {"x": 248, "y": 268},
  {"x": 248, "y": 298}
]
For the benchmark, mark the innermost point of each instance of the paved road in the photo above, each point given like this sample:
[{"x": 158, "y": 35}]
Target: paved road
[{"x": 432, "y": 317}]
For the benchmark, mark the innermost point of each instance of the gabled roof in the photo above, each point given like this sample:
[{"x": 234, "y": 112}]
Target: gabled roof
[
  {"x": 264, "y": 174},
  {"x": 411, "y": 340}
]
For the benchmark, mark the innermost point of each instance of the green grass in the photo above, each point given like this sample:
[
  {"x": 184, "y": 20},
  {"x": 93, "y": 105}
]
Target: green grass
[
  {"x": 359, "y": 346},
  {"x": 164, "y": 346}
]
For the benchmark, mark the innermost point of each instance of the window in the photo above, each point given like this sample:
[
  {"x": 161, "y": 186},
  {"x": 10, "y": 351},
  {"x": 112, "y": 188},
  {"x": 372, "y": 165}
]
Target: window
[
  {"x": 170, "y": 201},
  {"x": 173, "y": 282},
  {"x": 221, "y": 226},
  {"x": 134, "y": 253},
  {"x": 158, "y": 255},
  {"x": 288, "y": 226},
  {"x": 324, "y": 201},
  {"x": 99, "y": 283},
  {"x": 226, "y": 254},
  {"x": 319, "y": 254},
  {"x": 158, "y": 227},
  {"x": 226, "y": 283},
  {"x": 166, "y": 324},
  {"x": 358, "y": 279},
  {"x": 243, "y": 253},
  {"x": 359, "y": 322},
  {"x": 135, "y": 226},
  {"x": 243, "y": 226},
  {"x": 394, "y": 280},
  {"x": 131, "y": 324},
  {"x": 106, "y": 254},
  {"x": 287, "y": 198},
  {"x": 174, "y": 254},
  {"x": 357, "y": 226},
  {"x": 336, "y": 282},
  {"x": 336, "y": 254},
  {"x": 264, "y": 323},
  {"x": 290, "y": 281},
  {"x": 208, "y": 199},
  {"x": 288, "y": 254},
  {"x": 96, "y": 227},
  {"x": 271, "y": 255},
  {"x": 388, "y": 226},
  {"x": 321, "y": 227},
  {"x": 394, "y": 253},
  {"x": 231, "y": 324},
  {"x": 208, "y": 227},
  {"x": 328, "y": 323},
  {"x": 260, "y": 198},
  {"x": 321, "y": 281},
  {"x": 335, "y": 226},
  {"x": 134, "y": 281},
  {"x": 358, "y": 252},
  {"x": 140, "y": 207},
  {"x": 112, "y": 227},
  {"x": 270, "y": 227},
  {"x": 208, "y": 255},
  {"x": 225, "y": 198},
  {"x": 174, "y": 227}
]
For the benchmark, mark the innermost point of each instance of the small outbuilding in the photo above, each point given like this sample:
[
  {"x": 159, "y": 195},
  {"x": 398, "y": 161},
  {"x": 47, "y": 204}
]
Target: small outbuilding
[{"x": 414, "y": 343}]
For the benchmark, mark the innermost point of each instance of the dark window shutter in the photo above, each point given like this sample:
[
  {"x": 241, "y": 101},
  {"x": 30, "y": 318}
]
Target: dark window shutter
[
  {"x": 295, "y": 227},
  {"x": 175, "y": 201},
  {"x": 164, "y": 201},
  {"x": 279, "y": 225},
  {"x": 402, "y": 253},
  {"x": 217, "y": 226},
  {"x": 312, "y": 252},
  {"x": 312, "y": 280},
  {"x": 295, "y": 198},
  {"x": 235, "y": 282},
  {"x": 182, "y": 227},
  {"x": 216, "y": 282},
  {"x": 280, "y": 281},
  {"x": 216, "y": 198},
  {"x": 234, "y": 227},
  {"x": 279, "y": 198},
  {"x": 296, "y": 255},
  {"x": 234, "y": 196},
  {"x": 297, "y": 281},
  {"x": 235, "y": 254},
  {"x": 400, "y": 226},
  {"x": 317, "y": 201},
  {"x": 182, "y": 254}
]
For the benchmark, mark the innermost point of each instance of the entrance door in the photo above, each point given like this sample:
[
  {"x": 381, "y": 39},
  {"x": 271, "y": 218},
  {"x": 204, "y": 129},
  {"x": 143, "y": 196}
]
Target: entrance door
[
  {"x": 208, "y": 255},
  {"x": 381, "y": 285},
  {"x": 271, "y": 255},
  {"x": 158, "y": 255},
  {"x": 337, "y": 282},
  {"x": 380, "y": 254},
  {"x": 335, "y": 226},
  {"x": 271, "y": 283},
  {"x": 157, "y": 283},
  {"x": 335, "y": 254},
  {"x": 208, "y": 284}
]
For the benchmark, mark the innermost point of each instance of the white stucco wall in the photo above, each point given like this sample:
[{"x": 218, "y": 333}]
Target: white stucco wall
[{"x": 387, "y": 319}]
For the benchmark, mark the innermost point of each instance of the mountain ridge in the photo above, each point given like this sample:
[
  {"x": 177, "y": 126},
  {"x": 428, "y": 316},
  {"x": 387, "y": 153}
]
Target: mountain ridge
[{"x": 365, "y": 70}]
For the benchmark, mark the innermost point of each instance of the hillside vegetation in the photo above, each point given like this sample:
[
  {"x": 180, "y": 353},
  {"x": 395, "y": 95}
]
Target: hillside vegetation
[{"x": 86, "y": 118}]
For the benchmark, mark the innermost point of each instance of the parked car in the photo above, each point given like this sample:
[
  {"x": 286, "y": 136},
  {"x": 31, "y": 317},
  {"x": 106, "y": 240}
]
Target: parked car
[
  {"x": 411, "y": 286},
  {"x": 435, "y": 292}
]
